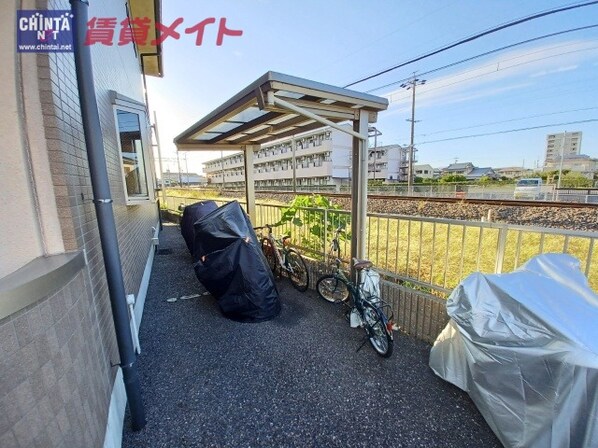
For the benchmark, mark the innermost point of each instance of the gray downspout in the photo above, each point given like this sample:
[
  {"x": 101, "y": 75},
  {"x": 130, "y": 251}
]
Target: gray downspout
[{"x": 104, "y": 213}]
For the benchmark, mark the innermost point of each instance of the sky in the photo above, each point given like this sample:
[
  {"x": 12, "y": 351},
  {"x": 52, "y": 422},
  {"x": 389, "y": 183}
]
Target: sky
[{"x": 547, "y": 84}]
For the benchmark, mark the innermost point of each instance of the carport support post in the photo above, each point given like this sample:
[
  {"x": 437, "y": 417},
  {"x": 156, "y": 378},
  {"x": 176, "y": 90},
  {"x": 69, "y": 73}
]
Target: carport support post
[
  {"x": 359, "y": 189},
  {"x": 249, "y": 181}
]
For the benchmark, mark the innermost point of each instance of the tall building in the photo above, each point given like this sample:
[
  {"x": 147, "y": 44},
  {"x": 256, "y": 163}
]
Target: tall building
[
  {"x": 567, "y": 143},
  {"x": 322, "y": 158}
]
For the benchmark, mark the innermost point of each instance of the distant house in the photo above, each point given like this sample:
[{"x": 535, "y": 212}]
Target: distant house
[
  {"x": 470, "y": 171},
  {"x": 513, "y": 172},
  {"x": 461, "y": 169},
  {"x": 478, "y": 173},
  {"x": 580, "y": 163},
  {"x": 171, "y": 178},
  {"x": 423, "y": 171}
]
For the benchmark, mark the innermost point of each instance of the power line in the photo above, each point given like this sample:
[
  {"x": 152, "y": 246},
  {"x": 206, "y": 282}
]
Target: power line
[
  {"x": 591, "y": 120},
  {"x": 508, "y": 121},
  {"x": 523, "y": 42},
  {"x": 427, "y": 91},
  {"x": 401, "y": 28},
  {"x": 477, "y": 36},
  {"x": 515, "y": 95}
]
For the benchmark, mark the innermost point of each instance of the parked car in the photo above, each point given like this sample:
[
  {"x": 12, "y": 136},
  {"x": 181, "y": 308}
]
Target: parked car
[{"x": 530, "y": 188}]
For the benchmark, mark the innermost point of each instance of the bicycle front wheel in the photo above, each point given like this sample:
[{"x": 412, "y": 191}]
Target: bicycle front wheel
[
  {"x": 376, "y": 327},
  {"x": 297, "y": 270},
  {"x": 332, "y": 289}
]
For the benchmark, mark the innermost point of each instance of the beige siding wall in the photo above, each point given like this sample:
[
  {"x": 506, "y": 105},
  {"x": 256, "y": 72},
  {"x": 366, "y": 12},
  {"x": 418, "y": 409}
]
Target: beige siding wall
[
  {"x": 20, "y": 238},
  {"x": 55, "y": 373}
]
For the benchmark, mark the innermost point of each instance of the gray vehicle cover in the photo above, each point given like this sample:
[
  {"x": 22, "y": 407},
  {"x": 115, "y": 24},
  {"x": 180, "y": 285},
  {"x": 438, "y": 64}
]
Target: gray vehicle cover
[{"x": 524, "y": 345}]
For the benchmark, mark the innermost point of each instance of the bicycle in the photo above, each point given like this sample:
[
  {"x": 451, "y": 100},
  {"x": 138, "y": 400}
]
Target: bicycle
[
  {"x": 279, "y": 254},
  {"x": 364, "y": 310},
  {"x": 334, "y": 252}
]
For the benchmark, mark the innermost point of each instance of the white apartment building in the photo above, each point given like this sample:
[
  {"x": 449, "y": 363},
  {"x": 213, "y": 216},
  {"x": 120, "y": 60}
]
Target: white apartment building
[
  {"x": 389, "y": 163},
  {"x": 569, "y": 143},
  {"x": 322, "y": 158}
]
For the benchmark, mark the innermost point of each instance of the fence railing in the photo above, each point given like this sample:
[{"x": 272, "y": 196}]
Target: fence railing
[
  {"x": 431, "y": 254},
  {"x": 548, "y": 192}
]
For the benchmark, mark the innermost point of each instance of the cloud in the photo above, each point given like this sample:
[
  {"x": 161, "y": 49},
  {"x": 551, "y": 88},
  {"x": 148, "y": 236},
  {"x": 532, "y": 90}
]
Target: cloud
[
  {"x": 567, "y": 68},
  {"x": 504, "y": 72}
]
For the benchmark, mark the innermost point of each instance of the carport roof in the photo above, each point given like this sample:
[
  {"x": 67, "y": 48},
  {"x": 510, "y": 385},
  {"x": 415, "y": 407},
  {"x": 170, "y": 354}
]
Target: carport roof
[{"x": 273, "y": 107}]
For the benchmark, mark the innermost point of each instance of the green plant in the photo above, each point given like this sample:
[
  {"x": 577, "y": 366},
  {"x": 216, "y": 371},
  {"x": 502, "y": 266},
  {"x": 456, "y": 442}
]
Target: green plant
[
  {"x": 450, "y": 178},
  {"x": 308, "y": 211},
  {"x": 575, "y": 180}
]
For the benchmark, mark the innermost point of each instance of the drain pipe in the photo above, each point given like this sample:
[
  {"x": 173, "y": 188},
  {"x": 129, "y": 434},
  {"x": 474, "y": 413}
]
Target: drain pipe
[{"x": 104, "y": 213}]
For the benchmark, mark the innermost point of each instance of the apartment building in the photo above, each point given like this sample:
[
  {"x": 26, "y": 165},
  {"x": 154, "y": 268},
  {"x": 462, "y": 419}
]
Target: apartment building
[
  {"x": 389, "y": 163},
  {"x": 322, "y": 158},
  {"x": 567, "y": 143}
]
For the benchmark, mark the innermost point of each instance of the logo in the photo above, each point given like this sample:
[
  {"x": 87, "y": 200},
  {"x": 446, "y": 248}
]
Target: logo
[
  {"x": 44, "y": 31},
  {"x": 52, "y": 31}
]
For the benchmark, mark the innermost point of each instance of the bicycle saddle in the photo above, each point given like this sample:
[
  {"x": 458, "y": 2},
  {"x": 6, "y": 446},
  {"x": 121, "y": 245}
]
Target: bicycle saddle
[{"x": 361, "y": 264}]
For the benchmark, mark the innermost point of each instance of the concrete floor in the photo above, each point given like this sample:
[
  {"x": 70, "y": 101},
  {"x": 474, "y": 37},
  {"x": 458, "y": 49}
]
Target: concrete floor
[{"x": 296, "y": 380}]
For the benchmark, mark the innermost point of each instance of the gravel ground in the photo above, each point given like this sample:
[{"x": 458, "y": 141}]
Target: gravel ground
[
  {"x": 296, "y": 380},
  {"x": 582, "y": 218}
]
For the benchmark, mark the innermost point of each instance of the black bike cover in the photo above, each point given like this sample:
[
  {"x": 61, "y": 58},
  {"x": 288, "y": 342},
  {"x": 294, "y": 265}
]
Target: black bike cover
[
  {"x": 191, "y": 214},
  {"x": 229, "y": 262}
]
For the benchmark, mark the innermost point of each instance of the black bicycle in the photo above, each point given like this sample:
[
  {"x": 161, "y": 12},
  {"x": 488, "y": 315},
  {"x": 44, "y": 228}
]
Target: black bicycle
[
  {"x": 364, "y": 310},
  {"x": 280, "y": 255}
]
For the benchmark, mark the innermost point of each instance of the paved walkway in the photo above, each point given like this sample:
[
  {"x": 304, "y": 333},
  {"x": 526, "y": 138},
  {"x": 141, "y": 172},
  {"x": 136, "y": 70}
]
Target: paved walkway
[{"x": 293, "y": 381}]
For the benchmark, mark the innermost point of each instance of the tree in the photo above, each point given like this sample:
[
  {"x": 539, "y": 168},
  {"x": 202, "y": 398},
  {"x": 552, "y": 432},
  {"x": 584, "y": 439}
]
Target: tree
[
  {"x": 575, "y": 180},
  {"x": 452, "y": 178},
  {"x": 484, "y": 180}
]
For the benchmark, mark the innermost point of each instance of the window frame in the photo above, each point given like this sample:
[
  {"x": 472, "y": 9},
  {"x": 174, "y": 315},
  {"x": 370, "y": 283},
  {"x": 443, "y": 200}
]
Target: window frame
[{"x": 140, "y": 110}]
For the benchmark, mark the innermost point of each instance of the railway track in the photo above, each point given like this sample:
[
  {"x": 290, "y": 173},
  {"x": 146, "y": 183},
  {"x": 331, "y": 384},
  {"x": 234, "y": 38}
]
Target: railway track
[{"x": 493, "y": 202}]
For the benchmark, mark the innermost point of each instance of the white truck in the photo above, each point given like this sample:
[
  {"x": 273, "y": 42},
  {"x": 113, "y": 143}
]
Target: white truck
[{"x": 530, "y": 188}]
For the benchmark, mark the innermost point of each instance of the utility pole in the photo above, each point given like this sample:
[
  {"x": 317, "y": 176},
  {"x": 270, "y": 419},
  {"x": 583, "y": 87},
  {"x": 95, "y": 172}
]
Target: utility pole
[
  {"x": 558, "y": 185},
  {"x": 178, "y": 160},
  {"x": 187, "y": 171},
  {"x": 157, "y": 145},
  {"x": 374, "y": 132},
  {"x": 411, "y": 85}
]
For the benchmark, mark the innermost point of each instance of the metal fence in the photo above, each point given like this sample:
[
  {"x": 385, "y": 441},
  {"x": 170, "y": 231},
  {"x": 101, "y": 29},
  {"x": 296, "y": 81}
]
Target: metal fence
[
  {"x": 503, "y": 193},
  {"x": 430, "y": 254}
]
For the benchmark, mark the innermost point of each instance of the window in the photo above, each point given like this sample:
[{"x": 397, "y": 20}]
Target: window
[{"x": 133, "y": 160}]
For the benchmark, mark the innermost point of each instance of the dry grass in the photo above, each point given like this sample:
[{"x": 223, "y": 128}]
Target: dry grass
[
  {"x": 438, "y": 254},
  {"x": 443, "y": 254}
]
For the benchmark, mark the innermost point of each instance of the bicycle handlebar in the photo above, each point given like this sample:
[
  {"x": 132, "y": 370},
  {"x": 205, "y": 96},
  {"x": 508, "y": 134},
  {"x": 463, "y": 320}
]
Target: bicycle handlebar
[{"x": 265, "y": 226}]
